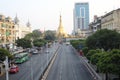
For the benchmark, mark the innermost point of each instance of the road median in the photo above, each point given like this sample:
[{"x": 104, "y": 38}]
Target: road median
[{"x": 46, "y": 71}]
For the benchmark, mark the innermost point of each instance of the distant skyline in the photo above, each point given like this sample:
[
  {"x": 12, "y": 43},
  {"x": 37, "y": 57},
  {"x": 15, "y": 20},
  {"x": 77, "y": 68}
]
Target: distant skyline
[{"x": 45, "y": 13}]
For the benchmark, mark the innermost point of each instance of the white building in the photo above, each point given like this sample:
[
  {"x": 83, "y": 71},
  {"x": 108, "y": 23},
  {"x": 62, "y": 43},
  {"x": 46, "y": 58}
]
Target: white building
[{"x": 22, "y": 30}]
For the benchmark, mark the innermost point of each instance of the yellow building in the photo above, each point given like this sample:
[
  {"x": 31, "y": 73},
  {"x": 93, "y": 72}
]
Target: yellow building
[
  {"x": 61, "y": 32},
  {"x": 7, "y": 30}
]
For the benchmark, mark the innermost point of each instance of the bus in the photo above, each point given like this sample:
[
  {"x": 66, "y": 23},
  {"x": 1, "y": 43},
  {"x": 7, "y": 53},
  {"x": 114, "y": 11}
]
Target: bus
[{"x": 21, "y": 57}]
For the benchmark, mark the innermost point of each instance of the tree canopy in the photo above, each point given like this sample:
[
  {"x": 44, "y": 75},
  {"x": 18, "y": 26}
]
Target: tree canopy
[
  {"x": 104, "y": 38},
  {"x": 50, "y": 35},
  {"x": 36, "y": 34},
  {"x": 39, "y": 42},
  {"x": 25, "y": 43},
  {"x": 4, "y": 53}
]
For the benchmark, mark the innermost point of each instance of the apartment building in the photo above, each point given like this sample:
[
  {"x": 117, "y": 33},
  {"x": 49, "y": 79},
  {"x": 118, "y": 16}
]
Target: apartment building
[
  {"x": 7, "y": 30},
  {"x": 111, "y": 20}
]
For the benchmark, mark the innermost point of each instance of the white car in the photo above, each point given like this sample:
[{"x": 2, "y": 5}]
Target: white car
[
  {"x": 35, "y": 52},
  {"x": 46, "y": 51}
]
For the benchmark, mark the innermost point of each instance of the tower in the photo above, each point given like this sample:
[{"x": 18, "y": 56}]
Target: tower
[
  {"x": 81, "y": 17},
  {"x": 60, "y": 32},
  {"x": 16, "y": 20},
  {"x": 28, "y": 24}
]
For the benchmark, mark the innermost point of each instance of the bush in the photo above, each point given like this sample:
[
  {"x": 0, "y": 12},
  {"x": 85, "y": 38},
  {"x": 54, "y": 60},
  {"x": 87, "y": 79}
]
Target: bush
[
  {"x": 90, "y": 53},
  {"x": 85, "y": 50}
]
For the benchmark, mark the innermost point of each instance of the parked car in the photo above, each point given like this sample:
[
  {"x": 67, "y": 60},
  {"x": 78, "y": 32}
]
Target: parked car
[
  {"x": 13, "y": 69},
  {"x": 35, "y": 52}
]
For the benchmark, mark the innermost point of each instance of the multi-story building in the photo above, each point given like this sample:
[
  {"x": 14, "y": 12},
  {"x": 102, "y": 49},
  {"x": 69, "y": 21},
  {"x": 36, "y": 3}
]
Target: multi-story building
[
  {"x": 7, "y": 30},
  {"x": 21, "y": 29},
  {"x": 95, "y": 25},
  {"x": 81, "y": 17},
  {"x": 11, "y": 30},
  {"x": 111, "y": 20}
]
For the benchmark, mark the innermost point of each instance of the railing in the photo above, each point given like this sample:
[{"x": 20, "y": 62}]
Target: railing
[{"x": 91, "y": 70}]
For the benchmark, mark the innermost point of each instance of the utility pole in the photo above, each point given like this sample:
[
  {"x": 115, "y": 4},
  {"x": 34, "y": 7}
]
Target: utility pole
[{"x": 6, "y": 67}]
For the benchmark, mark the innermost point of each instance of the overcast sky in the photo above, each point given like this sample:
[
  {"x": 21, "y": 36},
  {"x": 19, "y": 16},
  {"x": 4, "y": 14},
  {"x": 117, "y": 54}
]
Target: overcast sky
[{"x": 45, "y": 13}]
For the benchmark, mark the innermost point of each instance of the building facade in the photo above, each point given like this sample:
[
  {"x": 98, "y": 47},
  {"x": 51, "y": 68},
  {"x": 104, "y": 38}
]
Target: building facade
[
  {"x": 95, "y": 25},
  {"x": 11, "y": 30},
  {"x": 111, "y": 20},
  {"x": 7, "y": 30},
  {"x": 21, "y": 30},
  {"x": 81, "y": 17}
]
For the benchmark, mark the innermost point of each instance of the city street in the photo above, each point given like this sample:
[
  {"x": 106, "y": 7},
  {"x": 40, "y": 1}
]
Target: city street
[
  {"x": 33, "y": 68},
  {"x": 68, "y": 66}
]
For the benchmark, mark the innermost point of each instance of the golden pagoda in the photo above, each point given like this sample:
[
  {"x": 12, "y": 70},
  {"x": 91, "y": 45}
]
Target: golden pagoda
[{"x": 60, "y": 32}]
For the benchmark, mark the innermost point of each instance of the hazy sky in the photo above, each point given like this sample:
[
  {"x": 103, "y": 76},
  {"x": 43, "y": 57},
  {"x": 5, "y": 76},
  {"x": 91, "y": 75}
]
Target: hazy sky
[{"x": 45, "y": 13}]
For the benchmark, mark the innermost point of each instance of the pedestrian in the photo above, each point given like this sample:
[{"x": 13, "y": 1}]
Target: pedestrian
[{"x": 81, "y": 53}]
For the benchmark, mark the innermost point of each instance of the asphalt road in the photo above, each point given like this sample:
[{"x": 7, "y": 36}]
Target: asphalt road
[
  {"x": 68, "y": 66},
  {"x": 33, "y": 68}
]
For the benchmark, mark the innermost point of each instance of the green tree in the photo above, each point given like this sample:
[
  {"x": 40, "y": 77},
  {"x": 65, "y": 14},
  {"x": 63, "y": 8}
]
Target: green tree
[
  {"x": 36, "y": 34},
  {"x": 95, "y": 57},
  {"x": 104, "y": 38},
  {"x": 104, "y": 64},
  {"x": 75, "y": 43},
  {"x": 50, "y": 35},
  {"x": 25, "y": 43},
  {"x": 90, "y": 53},
  {"x": 78, "y": 44},
  {"x": 115, "y": 61},
  {"x": 109, "y": 63},
  {"x": 4, "y": 53},
  {"x": 28, "y": 36},
  {"x": 85, "y": 50},
  {"x": 39, "y": 42}
]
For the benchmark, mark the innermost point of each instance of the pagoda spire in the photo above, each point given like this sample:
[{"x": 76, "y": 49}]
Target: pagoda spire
[{"x": 60, "y": 32}]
